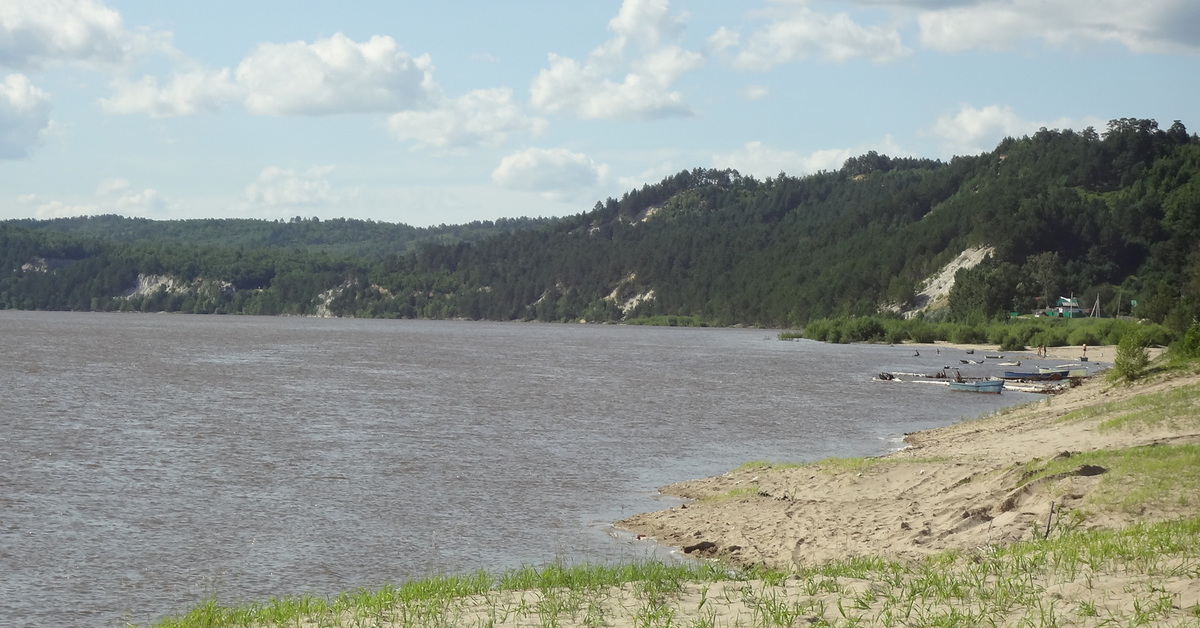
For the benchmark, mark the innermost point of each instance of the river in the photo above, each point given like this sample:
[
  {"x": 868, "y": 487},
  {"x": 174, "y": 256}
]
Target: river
[{"x": 149, "y": 462}]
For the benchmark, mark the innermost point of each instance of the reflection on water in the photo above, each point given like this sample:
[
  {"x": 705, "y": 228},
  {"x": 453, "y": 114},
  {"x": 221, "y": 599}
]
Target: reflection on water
[{"x": 150, "y": 461}]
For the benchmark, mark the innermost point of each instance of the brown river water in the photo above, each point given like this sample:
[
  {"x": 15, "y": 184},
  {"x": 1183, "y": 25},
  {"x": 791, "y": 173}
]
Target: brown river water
[{"x": 149, "y": 462}]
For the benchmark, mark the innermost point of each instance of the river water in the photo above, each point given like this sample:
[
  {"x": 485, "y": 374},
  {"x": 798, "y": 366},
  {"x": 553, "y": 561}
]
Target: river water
[{"x": 148, "y": 462}]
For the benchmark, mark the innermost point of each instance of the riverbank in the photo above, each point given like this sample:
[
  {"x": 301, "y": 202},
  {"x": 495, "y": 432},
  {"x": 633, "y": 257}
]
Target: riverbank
[
  {"x": 952, "y": 488},
  {"x": 1077, "y": 510}
]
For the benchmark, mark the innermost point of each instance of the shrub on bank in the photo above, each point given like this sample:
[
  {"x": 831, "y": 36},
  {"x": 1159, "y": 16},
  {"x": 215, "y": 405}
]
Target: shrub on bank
[{"x": 1010, "y": 335}]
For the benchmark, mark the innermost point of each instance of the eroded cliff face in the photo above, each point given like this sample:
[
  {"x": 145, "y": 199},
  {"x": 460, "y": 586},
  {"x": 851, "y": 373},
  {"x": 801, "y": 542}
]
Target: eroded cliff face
[{"x": 937, "y": 288}]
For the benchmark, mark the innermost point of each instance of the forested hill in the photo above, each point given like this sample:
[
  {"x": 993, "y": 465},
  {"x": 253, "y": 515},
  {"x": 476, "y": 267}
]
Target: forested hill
[
  {"x": 339, "y": 236},
  {"x": 1112, "y": 214}
]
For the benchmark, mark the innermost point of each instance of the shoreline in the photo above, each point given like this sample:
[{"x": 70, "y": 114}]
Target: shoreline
[
  {"x": 997, "y": 520},
  {"x": 949, "y": 488}
]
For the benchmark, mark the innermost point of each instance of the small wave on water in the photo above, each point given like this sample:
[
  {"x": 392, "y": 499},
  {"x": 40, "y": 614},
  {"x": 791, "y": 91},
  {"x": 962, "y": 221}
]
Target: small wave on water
[{"x": 243, "y": 458}]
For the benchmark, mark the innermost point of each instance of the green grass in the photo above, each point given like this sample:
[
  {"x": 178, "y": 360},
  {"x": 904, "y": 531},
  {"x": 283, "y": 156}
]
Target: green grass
[
  {"x": 1137, "y": 478},
  {"x": 1052, "y": 582},
  {"x": 1176, "y": 408}
]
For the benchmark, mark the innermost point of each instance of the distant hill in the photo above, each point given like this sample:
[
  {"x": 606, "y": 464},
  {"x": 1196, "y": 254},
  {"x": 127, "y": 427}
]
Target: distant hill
[
  {"x": 1114, "y": 215},
  {"x": 343, "y": 236}
]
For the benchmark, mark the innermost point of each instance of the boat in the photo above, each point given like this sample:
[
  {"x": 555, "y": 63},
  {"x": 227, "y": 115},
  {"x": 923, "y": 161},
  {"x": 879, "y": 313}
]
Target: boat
[
  {"x": 980, "y": 386},
  {"x": 1066, "y": 370},
  {"x": 1036, "y": 376}
]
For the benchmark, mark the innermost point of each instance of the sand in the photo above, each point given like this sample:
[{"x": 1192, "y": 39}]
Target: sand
[
  {"x": 952, "y": 488},
  {"x": 948, "y": 489}
]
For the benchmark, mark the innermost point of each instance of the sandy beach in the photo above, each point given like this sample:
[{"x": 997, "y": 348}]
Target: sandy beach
[
  {"x": 950, "y": 488},
  {"x": 961, "y": 487}
]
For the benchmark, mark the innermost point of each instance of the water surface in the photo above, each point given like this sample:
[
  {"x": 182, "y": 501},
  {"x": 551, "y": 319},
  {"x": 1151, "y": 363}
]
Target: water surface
[{"x": 151, "y": 461}]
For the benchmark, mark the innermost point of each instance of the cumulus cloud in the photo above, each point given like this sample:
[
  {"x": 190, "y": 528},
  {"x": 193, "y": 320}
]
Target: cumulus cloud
[
  {"x": 334, "y": 75},
  {"x": 112, "y": 196},
  {"x": 646, "y": 22},
  {"x": 1150, "y": 26},
  {"x": 58, "y": 209},
  {"x": 762, "y": 161},
  {"x": 756, "y": 92},
  {"x": 485, "y": 116},
  {"x": 118, "y": 196},
  {"x": 329, "y": 76},
  {"x": 24, "y": 116},
  {"x": 644, "y": 90},
  {"x": 972, "y": 130},
  {"x": 556, "y": 173},
  {"x": 186, "y": 94},
  {"x": 36, "y": 32},
  {"x": 797, "y": 33},
  {"x": 284, "y": 187}
]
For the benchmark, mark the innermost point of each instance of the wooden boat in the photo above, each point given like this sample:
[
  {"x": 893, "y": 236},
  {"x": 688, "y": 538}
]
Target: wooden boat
[
  {"x": 980, "y": 386},
  {"x": 1066, "y": 370},
  {"x": 1036, "y": 376}
]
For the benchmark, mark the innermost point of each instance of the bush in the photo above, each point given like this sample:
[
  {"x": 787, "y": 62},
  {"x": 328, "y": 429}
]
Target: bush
[
  {"x": 864, "y": 329},
  {"x": 1084, "y": 337},
  {"x": 1188, "y": 347},
  {"x": 1050, "y": 338},
  {"x": 895, "y": 335},
  {"x": 1012, "y": 342},
  {"x": 967, "y": 335},
  {"x": 818, "y": 330},
  {"x": 1132, "y": 358}
]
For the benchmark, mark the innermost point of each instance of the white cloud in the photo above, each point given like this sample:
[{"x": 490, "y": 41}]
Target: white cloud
[
  {"x": 35, "y": 32},
  {"x": 58, "y": 209},
  {"x": 722, "y": 40},
  {"x": 484, "y": 116},
  {"x": 329, "y": 76},
  {"x": 645, "y": 86},
  {"x": 556, "y": 173},
  {"x": 24, "y": 116},
  {"x": 288, "y": 188},
  {"x": 1149, "y": 26},
  {"x": 797, "y": 33},
  {"x": 756, "y": 92},
  {"x": 646, "y": 22},
  {"x": 762, "y": 161},
  {"x": 186, "y": 94},
  {"x": 971, "y": 131},
  {"x": 112, "y": 196},
  {"x": 334, "y": 75}
]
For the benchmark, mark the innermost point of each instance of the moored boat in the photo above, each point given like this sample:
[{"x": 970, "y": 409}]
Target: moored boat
[
  {"x": 1036, "y": 376},
  {"x": 980, "y": 386}
]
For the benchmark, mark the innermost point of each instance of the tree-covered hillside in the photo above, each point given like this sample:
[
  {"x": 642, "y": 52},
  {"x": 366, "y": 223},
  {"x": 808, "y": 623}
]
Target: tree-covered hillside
[
  {"x": 1114, "y": 215},
  {"x": 363, "y": 238}
]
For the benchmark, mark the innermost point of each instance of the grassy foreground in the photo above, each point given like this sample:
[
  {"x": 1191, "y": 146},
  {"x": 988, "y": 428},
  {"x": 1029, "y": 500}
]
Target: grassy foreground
[
  {"x": 1147, "y": 574},
  {"x": 1060, "y": 581}
]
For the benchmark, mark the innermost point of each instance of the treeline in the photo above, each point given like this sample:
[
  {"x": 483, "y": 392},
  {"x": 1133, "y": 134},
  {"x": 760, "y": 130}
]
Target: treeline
[
  {"x": 1013, "y": 335},
  {"x": 1113, "y": 215},
  {"x": 337, "y": 236}
]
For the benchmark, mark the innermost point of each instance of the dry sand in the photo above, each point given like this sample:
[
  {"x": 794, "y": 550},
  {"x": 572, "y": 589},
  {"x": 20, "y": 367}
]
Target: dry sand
[
  {"x": 950, "y": 488},
  {"x": 954, "y": 488}
]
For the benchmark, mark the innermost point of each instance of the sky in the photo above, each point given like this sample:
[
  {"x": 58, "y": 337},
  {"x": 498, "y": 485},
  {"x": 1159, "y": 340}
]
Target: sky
[{"x": 429, "y": 113}]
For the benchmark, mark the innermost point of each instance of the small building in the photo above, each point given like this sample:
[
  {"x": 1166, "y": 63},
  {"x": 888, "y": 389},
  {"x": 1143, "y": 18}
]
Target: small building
[{"x": 1067, "y": 308}]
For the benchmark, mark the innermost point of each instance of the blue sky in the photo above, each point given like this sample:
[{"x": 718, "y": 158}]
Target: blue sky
[{"x": 428, "y": 113}]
